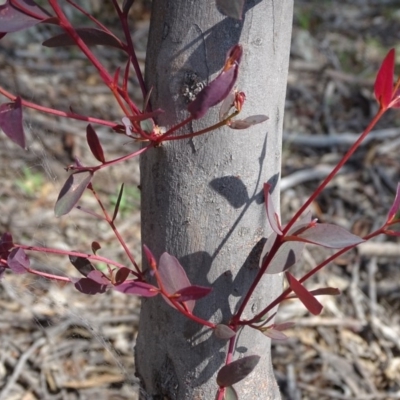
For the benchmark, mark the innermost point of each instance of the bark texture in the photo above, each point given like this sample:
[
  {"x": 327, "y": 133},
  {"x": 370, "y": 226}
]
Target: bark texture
[{"x": 202, "y": 198}]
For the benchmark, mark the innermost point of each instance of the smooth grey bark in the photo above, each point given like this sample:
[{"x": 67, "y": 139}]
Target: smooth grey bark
[{"x": 202, "y": 198}]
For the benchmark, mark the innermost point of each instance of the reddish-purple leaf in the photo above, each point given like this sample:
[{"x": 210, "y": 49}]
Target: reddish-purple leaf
[
  {"x": 310, "y": 302},
  {"x": 31, "y": 8},
  {"x": 237, "y": 370},
  {"x": 18, "y": 261},
  {"x": 227, "y": 105},
  {"x": 247, "y": 122},
  {"x": 121, "y": 191},
  {"x": 219, "y": 88},
  {"x": 21, "y": 14},
  {"x": 275, "y": 334},
  {"x": 193, "y": 292},
  {"x": 222, "y": 331},
  {"x": 11, "y": 121},
  {"x": 288, "y": 255},
  {"x": 320, "y": 292},
  {"x": 394, "y": 230},
  {"x": 71, "y": 192},
  {"x": 328, "y": 235},
  {"x": 94, "y": 144},
  {"x": 95, "y": 247},
  {"x": 396, "y": 99},
  {"x": 267, "y": 248},
  {"x": 6, "y": 244},
  {"x": 91, "y": 37},
  {"x": 121, "y": 275},
  {"x": 383, "y": 87},
  {"x": 283, "y": 326},
  {"x": 137, "y": 288},
  {"x": 127, "y": 4},
  {"x": 231, "y": 8},
  {"x": 272, "y": 216},
  {"x": 230, "y": 394},
  {"x": 89, "y": 286},
  {"x": 392, "y": 215},
  {"x": 328, "y": 291},
  {"x": 173, "y": 277},
  {"x": 147, "y": 125},
  {"x": 150, "y": 258},
  {"x": 99, "y": 277},
  {"x": 300, "y": 224},
  {"x": 82, "y": 264}
]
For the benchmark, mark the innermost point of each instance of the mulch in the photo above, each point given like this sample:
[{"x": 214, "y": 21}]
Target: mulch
[{"x": 60, "y": 344}]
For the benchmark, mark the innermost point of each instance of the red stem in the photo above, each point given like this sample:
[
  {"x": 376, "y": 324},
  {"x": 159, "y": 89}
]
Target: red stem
[
  {"x": 325, "y": 182},
  {"x": 104, "y": 74},
  {"x": 236, "y": 318},
  {"x": 282, "y": 296},
  {"x": 115, "y": 230},
  {"x": 130, "y": 47},
  {"x": 229, "y": 356},
  {"x": 59, "y": 113},
  {"x": 91, "y": 257}
]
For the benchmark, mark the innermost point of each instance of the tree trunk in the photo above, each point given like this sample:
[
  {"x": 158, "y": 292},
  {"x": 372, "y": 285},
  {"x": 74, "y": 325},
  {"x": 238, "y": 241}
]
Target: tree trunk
[{"x": 202, "y": 198}]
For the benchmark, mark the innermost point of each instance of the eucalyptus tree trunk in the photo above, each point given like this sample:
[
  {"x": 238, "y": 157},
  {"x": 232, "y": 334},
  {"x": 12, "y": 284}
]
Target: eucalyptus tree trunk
[{"x": 202, "y": 198}]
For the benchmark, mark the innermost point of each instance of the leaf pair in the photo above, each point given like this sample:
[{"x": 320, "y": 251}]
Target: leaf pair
[
  {"x": 219, "y": 88},
  {"x": 172, "y": 281},
  {"x": 95, "y": 281}
]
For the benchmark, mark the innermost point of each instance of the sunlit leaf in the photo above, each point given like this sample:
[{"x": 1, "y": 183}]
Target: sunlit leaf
[
  {"x": 272, "y": 216},
  {"x": 71, "y": 192},
  {"x": 222, "y": 331},
  {"x": 328, "y": 235},
  {"x": 173, "y": 277},
  {"x": 310, "y": 302},
  {"x": 247, "y": 122},
  {"x": 91, "y": 37},
  {"x": 284, "y": 325},
  {"x": 219, "y": 88},
  {"x": 18, "y": 261},
  {"x": 227, "y": 105},
  {"x": 94, "y": 144},
  {"x": 137, "y": 288},
  {"x": 237, "y": 370},
  {"x": 11, "y": 121},
  {"x": 383, "y": 87},
  {"x": 193, "y": 292},
  {"x": 275, "y": 334},
  {"x": 288, "y": 255}
]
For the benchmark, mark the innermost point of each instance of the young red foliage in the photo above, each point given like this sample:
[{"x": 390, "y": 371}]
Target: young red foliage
[{"x": 383, "y": 87}]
